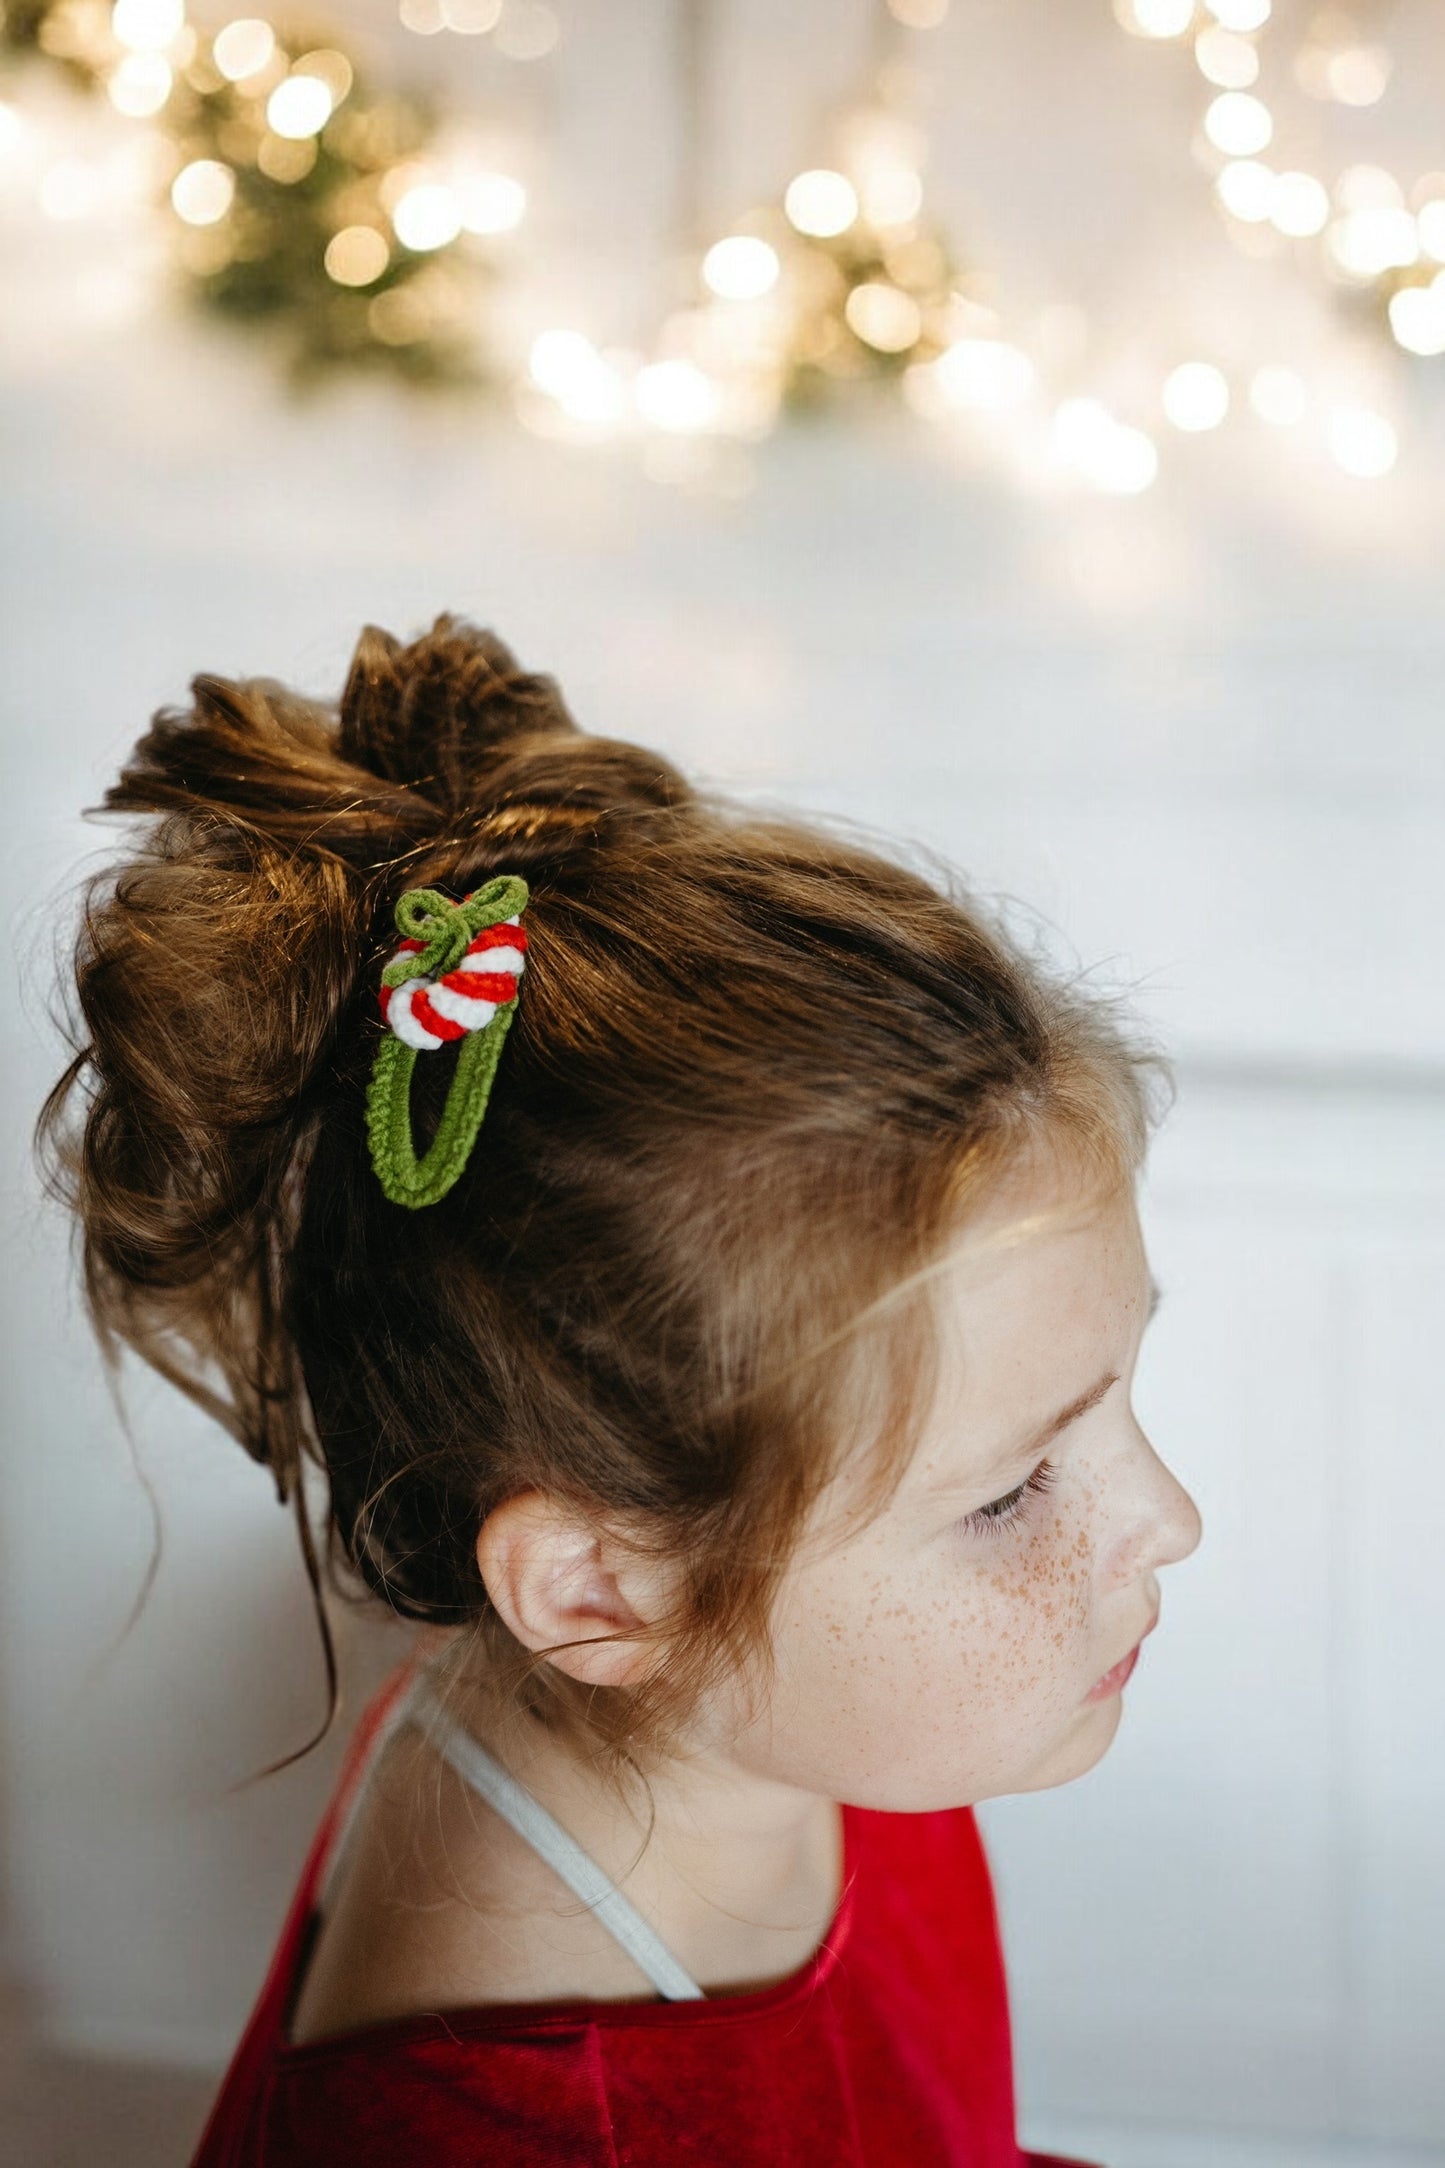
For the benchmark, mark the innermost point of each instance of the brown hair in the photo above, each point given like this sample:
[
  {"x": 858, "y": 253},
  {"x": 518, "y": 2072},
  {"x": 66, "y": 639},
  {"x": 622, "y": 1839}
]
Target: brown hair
[{"x": 755, "y": 1074}]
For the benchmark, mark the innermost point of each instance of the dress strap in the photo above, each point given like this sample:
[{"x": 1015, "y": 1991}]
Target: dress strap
[{"x": 546, "y": 1836}]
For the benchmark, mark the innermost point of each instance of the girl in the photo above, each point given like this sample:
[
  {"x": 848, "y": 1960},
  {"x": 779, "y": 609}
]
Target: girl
[{"x": 702, "y": 1258}]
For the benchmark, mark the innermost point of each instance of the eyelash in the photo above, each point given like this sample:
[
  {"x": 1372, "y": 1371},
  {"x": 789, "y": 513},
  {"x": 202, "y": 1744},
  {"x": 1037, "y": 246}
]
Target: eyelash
[{"x": 992, "y": 1520}]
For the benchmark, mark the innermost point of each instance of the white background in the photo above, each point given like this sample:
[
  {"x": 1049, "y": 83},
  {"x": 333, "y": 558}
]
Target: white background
[{"x": 1198, "y": 730}]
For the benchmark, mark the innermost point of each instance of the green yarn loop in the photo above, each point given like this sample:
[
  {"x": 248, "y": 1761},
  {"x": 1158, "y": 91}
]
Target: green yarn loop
[{"x": 445, "y": 929}]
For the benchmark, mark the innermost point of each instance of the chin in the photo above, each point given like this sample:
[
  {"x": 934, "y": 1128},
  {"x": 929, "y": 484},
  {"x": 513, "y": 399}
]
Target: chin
[{"x": 1074, "y": 1755}]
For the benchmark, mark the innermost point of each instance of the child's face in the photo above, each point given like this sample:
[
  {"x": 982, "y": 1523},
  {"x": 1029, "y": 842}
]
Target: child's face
[{"x": 923, "y": 1661}]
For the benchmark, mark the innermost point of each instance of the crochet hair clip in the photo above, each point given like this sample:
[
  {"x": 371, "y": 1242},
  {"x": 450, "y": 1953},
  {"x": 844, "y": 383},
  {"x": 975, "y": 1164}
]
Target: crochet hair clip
[{"x": 454, "y": 975}]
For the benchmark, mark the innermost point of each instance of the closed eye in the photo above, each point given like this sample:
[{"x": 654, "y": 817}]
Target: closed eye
[{"x": 1001, "y": 1513}]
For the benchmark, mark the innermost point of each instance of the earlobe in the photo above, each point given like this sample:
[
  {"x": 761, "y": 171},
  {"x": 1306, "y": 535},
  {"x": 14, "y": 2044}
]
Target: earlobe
[{"x": 555, "y": 1587}]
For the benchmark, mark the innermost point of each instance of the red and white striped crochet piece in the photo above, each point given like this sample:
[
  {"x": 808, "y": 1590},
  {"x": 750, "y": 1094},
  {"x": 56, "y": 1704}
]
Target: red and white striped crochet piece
[{"x": 425, "y": 1013}]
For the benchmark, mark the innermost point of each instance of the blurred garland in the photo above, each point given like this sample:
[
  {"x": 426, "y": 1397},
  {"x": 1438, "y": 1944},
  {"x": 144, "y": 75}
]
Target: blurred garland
[
  {"x": 293, "y": 222},
  {"x": 295, "y": 234},
  {"x": 1362, "y": 230},
  {"x": 871, "y": 302}
]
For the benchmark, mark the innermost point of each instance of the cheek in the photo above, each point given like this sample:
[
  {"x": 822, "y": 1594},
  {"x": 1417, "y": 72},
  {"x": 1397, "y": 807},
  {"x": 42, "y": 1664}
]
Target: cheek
[{"x": 961, "y": 1646}]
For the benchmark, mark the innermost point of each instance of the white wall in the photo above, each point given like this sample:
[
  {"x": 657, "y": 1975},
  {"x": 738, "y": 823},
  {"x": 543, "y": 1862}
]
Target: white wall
[
  {"x": 1236, "y": 1917},
  {"x": 1199, "y": 731}
]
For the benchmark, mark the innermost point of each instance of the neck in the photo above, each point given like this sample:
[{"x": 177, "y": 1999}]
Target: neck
[{"x": 740, "y": 1874}]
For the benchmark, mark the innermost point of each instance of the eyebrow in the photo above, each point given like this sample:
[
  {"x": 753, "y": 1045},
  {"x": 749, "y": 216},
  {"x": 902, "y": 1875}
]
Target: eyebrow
[{"x": 977, "y": 1479}]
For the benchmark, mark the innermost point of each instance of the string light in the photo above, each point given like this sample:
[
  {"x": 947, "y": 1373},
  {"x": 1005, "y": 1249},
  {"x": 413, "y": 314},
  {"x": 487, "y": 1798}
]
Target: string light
[
  {"x": 330, "y": 67},
  {"x": 1369, "y": 237},
  {"x": 1430, "y": 225},
  {"x": 147, "y": 26},
  {"x": 741, "y": 267},
  {"x": 1299, "y": 205},
  {"x": 842, "y": 282},
  {"x": 1102, "y": 450},
  {"x": 1361, "y": 442},
  {"x": 299, "y": 107},
  {"x": 1226, "y": 59},
  {"x": 892, "y": 196},
  {"x": 1155, "y": 18},
  {"x": 1368, "y": 188},
  {"x": 918, "y": 14},
  {"x": 243, "y": 48},
  {"x": 1240, "y": 14},
  {"x": 141, "y": 85},
  {"x": 285, "y": 159},
  {"x": 985, "y": 373},
  {"x": 1380, "y": 238},
  {"x": 676, "y": 395},
  {"x": 1246, "y": 189},
  {"x": 1417, "y": 317},
  {"x": 527, "y": 30},
  {"x": 1238, "y": 123},
  {"x": 490, "y": 203},
  {"x": 203, "y": 191},
  {"x": 427, "y": 217},
  {"x": 1354, "y": 75},
  {"x": 884, "y": 316},
  {"x": 821, "y": 203},
  {"x": 470, "y": 18},
  {"x": 1195, "y": 396},
  {"x": 357, "y": 256}
]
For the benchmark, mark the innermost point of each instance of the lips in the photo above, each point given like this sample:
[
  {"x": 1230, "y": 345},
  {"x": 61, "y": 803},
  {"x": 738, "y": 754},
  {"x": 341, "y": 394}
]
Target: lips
[{"x": 1127, "y": 1659}]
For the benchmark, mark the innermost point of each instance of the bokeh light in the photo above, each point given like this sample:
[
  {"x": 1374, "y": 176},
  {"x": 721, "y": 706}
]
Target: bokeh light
[
  {"x": 470, "y": 18},
  {"x": 203, "y": 191},
  {"x": 1361, "y": 441},
  {"x": 1238, "y": 123},
  {"x": 299, "y": 107},
  {"x": 1195, "y": 396},
  {"x": 490, "y": 202},
  {"x": 821, "y": 203},
  {"x": 892, "y": 196},
  {"x": 1240, "y": 14},
  {"x": 741, "y": 267},
  {"x": 147, "y": 26},
  {"x": 357, "y": 256},
  {"x": 526, "y": 30},
  {"x": 883, "y": 316},
  {"x": 1299, "y": 205},
  {"x": 918, "y": 14},
  {"x": 243, "y": 48},
  {"x": 427, "y": 216},
  {"x": 676, "y": 395},
  {"x": 1417, "y": 317},
  {"x": 1226, "y": 59},
  {"x": 141, "y": 85},
  {"x": 1430, "y": 226},
  {"x": 983, "y": 373},
  {"x": 1246, "y": 189},
  {"x": 1155, "y": 18},
  {"x": 1103, "y": 451}
]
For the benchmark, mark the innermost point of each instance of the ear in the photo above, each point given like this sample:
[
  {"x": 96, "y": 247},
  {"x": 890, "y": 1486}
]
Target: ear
[{"x": 555, "y": 1577}]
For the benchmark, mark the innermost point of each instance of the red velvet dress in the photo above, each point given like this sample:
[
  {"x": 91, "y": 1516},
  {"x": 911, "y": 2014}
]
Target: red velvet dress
[{"x": 889, "y": 2049}]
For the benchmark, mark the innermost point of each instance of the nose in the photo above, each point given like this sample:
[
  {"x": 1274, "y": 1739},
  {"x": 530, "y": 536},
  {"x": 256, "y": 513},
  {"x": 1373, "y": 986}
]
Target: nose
[
  {"x": 1182, "y": 1526},
  {"x": 1162, "y": 1524}
]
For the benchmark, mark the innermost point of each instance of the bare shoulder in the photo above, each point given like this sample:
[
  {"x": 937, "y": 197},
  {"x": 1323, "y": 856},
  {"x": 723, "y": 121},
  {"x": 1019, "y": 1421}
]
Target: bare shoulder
[{"x": 440, "y": 1906}]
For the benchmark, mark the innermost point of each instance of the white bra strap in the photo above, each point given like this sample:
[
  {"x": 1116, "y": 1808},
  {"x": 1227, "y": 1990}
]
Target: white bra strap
[
  {"x": 532, "y": 1822},
  {"x": 338, "y": 1850}
]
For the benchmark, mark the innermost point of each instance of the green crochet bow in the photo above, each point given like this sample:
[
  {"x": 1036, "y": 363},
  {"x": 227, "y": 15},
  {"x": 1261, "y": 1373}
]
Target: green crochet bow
[{"x": 445, "y": 929}]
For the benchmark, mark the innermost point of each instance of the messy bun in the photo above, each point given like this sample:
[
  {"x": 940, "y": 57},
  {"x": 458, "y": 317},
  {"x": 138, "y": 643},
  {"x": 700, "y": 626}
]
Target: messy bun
[{"x": 755, "y": 1070}]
